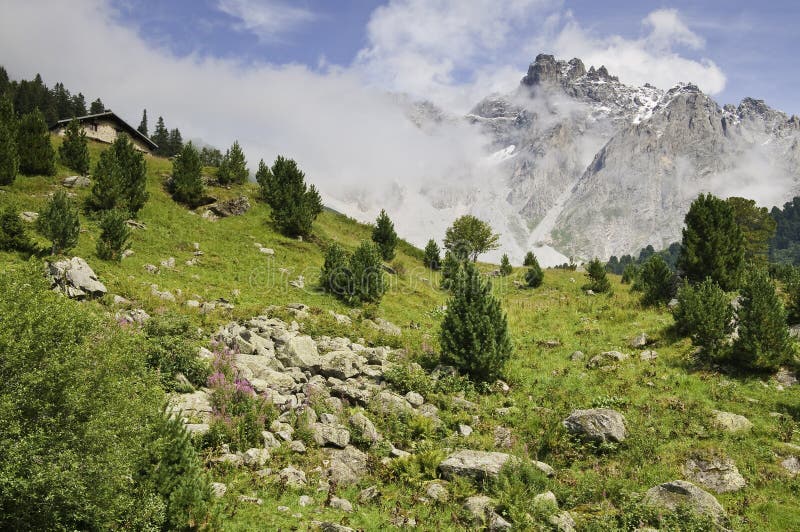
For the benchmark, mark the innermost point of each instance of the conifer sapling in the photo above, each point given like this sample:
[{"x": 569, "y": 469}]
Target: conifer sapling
[
  {"x": 384, "y": 236},
  {"x": 59, "y": 222},
  {"x": 432, "y": 258},
  {"x": 114, "y": 234},
  {"x": 74, "y": 151},
  {"x": 505, "y": 266}
]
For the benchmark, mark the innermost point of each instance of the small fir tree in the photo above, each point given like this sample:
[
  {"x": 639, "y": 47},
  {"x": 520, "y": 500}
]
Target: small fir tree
[
  {"x": 657, "y": 281},
  {"x": 143, "y": 124},
  {"x": 384, "y": 236},
  {"x": 120, "y": 179},
  {"x": 534, "y": 276},
  {"x": 597, "y": 281},
  {"x": 705, "y": 314},
  {"x": 793, "y": 304},
  {"x": 187, "y": 185},
  {"x": 366, "y": 275},
  {"x": 294, "y": 204},
  {"x": 335, "y": 275},
  {"x": 432, "y": 258},
  {"x": 114, "y": 234},
  {"x": 530, "y": 258},
  {"x": 174, "y": 143},
  {"x": 263, "y": 178},
  {"x": 36, "y": 155},
  {"x": 13, "y": 236},
  {"x": 450, "y": 268},
  {"x": 74, "y": 151},
  {"x": 630, "y": 274},
  {"x": 97, "y": 107},
  {"x": 474, "y": 334},
  {"x": 233, "y": 168},
  {"x": 505, "y": 266},
  {"x": 763, "y": 342},
  {"x": 161, "y": 137},
  {"x": 59, "y": 222},
  {"x": 9, "y": 157}
]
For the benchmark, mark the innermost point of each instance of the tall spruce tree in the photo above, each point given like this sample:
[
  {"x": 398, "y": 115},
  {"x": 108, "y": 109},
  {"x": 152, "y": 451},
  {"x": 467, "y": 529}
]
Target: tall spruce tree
[
  {"x": 366, "y": 275},
  {"x": 59, "y": 222},
  {"x": 763, "y": 342},
  {"x": 758, "y": 229},
  {"x": 74, "y": 151},
  {"x": 432, "y": 257},
  {"x": 174, "y": 143},
  {"x": 530, "y": 258},
  {"x": 97, "y": 107},
  {"x": 713, "y": 244},
  {"x": 596, "y": 278},
  {"x": 9, "y": 157},
  {"x": 120, "y": 179},
  {"x": 114, "y": 234},
  {"x": 505, "y": 265},
  {"x": 294, "y": 204},
  {"x": 656, "y": 281},
  {"x": 263, "y": 178},
  {"x": 36, "y": 155},
  {"x": 705, "y": 314},
  {"x": 187, "y": 185},
  {"x": 79, "y": 105},
  {"x": 474, "y": 334},
  {"x": 450, "y": 268},
  {"x": 233, "y": 168},
  {"x": 335, "y": 275},
  {"x": 534, "y": 277},
  {"x": 13, "y": 236},
  {"x": 143, "y": 124},
  {"x": 384, "y": 236}
]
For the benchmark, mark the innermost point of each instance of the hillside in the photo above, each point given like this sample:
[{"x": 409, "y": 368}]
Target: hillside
[{"x": 667, "y": 398}]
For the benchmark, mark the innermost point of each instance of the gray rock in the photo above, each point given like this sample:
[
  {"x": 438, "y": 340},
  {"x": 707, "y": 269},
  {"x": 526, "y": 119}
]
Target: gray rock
[
  {"x": 305, "y": 500},
  {"x": 368, "y": 495},
  {"x": 29, "y": 216},
  {"x": 332, "y": 527},
  {"x": 718, "y": 474},
  {"x": 794, "y": 331},
  {"x": 647, "y": 355},
  {"x": 478, "y": 506},
  {"x": 606, "y": 358},
  {"x": 415, "y": 399},
  {"x": 597, "y": 425},
  {"x": 670, "y": 495},
  {"x": 577, "y": 356},
  {"x": 384, "y": 326},
  {"x": 478, "y": 465},
  {"x": 231, "y": 207},
  {"x": 250, "y": 500},
  {"x": 437, "y": 492},
  {"x": 292, "y": 477},
  {"x": 168, "y": 263},
  {"x": 255, "y": 458},
  {"x": 330, "y": 435},
  {"x": 502, "y": 437},
  {"x": 297, "y": 446},
  {"x": 328, "y": 419},
  {"x": 347, "y": 466},
  {"x": 257, "y": 370},
  {"x": 164, "y": 295},
  {"x": 563, "y": 522},
  {"x": 785, "y": 377},
  {"x": 792, "y": 465},
  {"x": 270, "y": 441},
  {"x": 76, "y": 181},
  {"x": 340, "y": 364},
  {"x": 391, "y": 403},
  {"x": 192, "y": 405},
  {"x": 547, "y": 498},
  {"x": 341, "y": 504},
  {"x": 218, "y": 489},
  {"x": 75, "y": 278},
  {"x": 544, "y": 468},
  {"x": 730, "y": 422},
  {"x": 151, "y": 268},
  {"x": 364, "y": 428},
  {"x": 197, "y": 428},
  {"x": 639, "y": 341},
  {"x": 464, "y": 430}
]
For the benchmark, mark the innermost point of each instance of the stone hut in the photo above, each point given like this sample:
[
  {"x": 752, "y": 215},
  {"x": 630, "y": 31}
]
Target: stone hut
[{"x": 104, "y": 127}]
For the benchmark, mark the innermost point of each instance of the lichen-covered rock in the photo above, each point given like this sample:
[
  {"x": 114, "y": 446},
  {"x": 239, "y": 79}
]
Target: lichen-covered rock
[
  {"x": 196, "y": 405},
  {"x": 670, "y": 495},
  {"x": 364, "y": 428},
  {"x": 330, "y": 435},
  {"x": 347, "y": 466},
  {"x": 730, "y": 422},
  {"x": 75, "y": 278},
  {"x": 607, "y": 358},
  {"x": 478, "y": 465},
  {"x": 597, "y": 425},
  {"x": 718, "y": 474},
  {"x": 292, "y": 477}
]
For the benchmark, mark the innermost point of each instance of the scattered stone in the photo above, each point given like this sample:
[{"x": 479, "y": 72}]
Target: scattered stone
[
  {"x": 218, "y": 489},
  {"x": 731, "y": 422},
  {"x": 29, "y": 216},
  {"x": 168, "y": 263},
  {"x": 794, "y": 331},
  {"x": 197, "y": 428},
  {"x": 135, "y": 224},
  {"x": 384, "y": 326},
  {"x": 297, "y": 446},
  {"x": 255, "y": 458},
  {"x": 270, "y": 441},
  {"x": 398, "y": 453},
  {"x": 347, "y": 465},
  {"x": 74, "y": 278},
  {"x": 673, "y": 304},
  {"x": 364, "y": 428},
  {"x": 192, "y": 405},
  {"x": 341, "y": 319},
  {"x": 266, "y": 251},
  {"x": 464, "y": 404},
  {"x": 192, "y": 303},
  {"x": 648, "y": 354},
  {"x": 464, "y": 430},
  {"x": 502, "y": 387},
  {"x": 331, "y": 527},
  {"x": 496, "y": 523},
  {"x": 639, "y": 341},
  {"x": 792, "y": 465},
  {"x": 340, "y": 364},
  {"x": 670, "y": 495},
  {"x": 544, "y": 468},
  {"x": 437, "y": 492},
  {"x": 292, "y": 477},
  {"x": 368, "y": 494},
  {"x": 341, "y": 504},
  {"x": 121, "y": 301},
  {"x": 251, "y": 500},
  {"x": 597, "y": 425},
  {"x": 607, "y": 358},
  {"x": 478, "y": 465},
  {"x": 786, "y": 377},
  {"x": 548, "y": 498},
  {"x": 300, "y": 282},
  {"x": 231, "y": 207},
  {"x": 478, "y": 506},
  {"x": 76, "y": 181},
  {"x": 718, "y": 474},
  {"x": 151, "y": 268},
  {"x": 415, "y": 399},
  {"x": 577, "y": 356},
  {"x": 165, "y": 295},
  {"x": 563, "y": 522},
  {"x": 127, "y": 253},
  {"x": 391, "y": 403},
  {"x": 502, "y": 437},
  {"x": 305, "y": 500}
]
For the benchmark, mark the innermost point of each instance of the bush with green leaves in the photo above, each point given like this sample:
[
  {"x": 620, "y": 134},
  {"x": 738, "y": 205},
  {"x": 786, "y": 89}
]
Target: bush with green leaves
[
  {"x": 656, "y": 281},
  {"x": 384, "y": 235},
  {"x": 120, "y": 179},
  {"x": 171, "y": 349},
  {"x": 474, "y": 333},
  {"x": 432, "y": 257},
  {"x": 469, "y": 236},
  {"x": 36, "y": 154},
  {"x": 13, "y": 236},
  {"x": 114, "y": 235},
  {"x": 534, "y": 276},
  {"x": 59, "y": 222},
  {"x": 295, "y": 205},
  {"x": 366, "y": 275},
  {"x": 9, "y": 155},
  {"x": 233, "y": 167},
  {"x": 187, "y": 184},
  {"x": 505, "y": 266},
  {"x": 763, "y": 342},
  {"x": 74, "y": 151},
  {"x": 630, "y": 274},
  {"x": 334, "y": 277},
  {"x": 596, "y": 279},
  {"x": 705, "y": 314}
]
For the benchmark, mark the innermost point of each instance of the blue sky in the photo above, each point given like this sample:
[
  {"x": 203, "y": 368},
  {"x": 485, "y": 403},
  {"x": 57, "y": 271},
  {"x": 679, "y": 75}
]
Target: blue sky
[{"x": 754, "y": 44}]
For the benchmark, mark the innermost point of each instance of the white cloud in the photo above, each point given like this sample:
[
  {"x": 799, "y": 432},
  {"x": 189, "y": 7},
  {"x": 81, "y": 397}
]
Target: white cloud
[
  {"x": 267, "y": 19},
  {"x": 667, "y": 28}
]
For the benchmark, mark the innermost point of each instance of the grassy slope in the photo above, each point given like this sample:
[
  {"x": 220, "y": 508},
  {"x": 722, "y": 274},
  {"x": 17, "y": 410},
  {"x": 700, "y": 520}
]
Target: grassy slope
[{"x": 667, "y": 402}]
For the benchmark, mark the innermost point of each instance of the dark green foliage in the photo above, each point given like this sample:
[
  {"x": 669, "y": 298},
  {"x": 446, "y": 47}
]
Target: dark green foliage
[
  {"x": 785, "y": 246},
  {"x": 59, "y": 222},
  {"x": 596, "y": 278},
  {"x": 468, "y": 237},
  {"x": 174, "y": 143},
  {"x": 263, "y": 178},
  {"x": 757, "y": 226},
  {"x": 74, "y": 151},
  {"x": 187, "y": 185},
  {"x": 210, "y": 156},
  {"x": 335, "y": 275},
  {"x": 384, "y": 236},
  {"x": 120, "y": 179},
  {"x": 114, "y": 234},
  {"x": 670, "y": 256},
  {"x": 792, "y": 285},
  {"x": 294, "y": 205},
  {"x": 143, "y": 124},
  {"x": 366, "y": 275},
  {"x": 161, "y": 137},
  {"x": 713, "y": 244},
  {"x": 432, "y": 258},
  {"x": 450, "y": 268},
  {"x": 656, "y": 281},
  {"x": 9, "y": 157},
  {"x": 233, "y": 167},
  {"x": 705, "y": 314},
  {"x": 505, "y": 266},
  {"x": 13, "y": 236},
  {"x": 78, "y": 107},
  {"x": 170, "y": 349},
  {"x": 631, "y": 274},
  {"x": 474, "y": 334},
  {"x": 534, "y": 276},
  {"x": 97, "y": 107},
  {"x": 36, "y": 155},
  {"x": 530, "y": 258},
  {"x": 763, "y": 342}
]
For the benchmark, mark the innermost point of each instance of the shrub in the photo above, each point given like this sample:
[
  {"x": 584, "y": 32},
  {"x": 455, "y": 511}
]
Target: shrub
[
  {"x": 13, "y": 236},
  {"x": 233, "y": 167},
  {"x": 294, "y": 205},
  {"x": 450, "y": 269},
  {"x": 597, "y": 281},
  {"x": 764, "y": 341},
  {"x": 534, "y": 277},
  {"x": 74, "y": 151},
  {"x": 120, "y": 179},
  {"x": 384, "y": 236},
  {"x": 432, "y": 258},
  {"x": 59, "y": 222},
  {"x": 705, "y": 314},
  {"x": 170, "y": 350},
  {"x": 630, "y": 274},
  {"x": 114, "y": 234},
  {"x": 468, "y": 237},
  {"x": 187, "y": 185},
  {"x": 9, "y": 155},
  {"x": 36, "y": 155},
  {"x": 335, "y": 275},
  {"x": 505, "y": 266},
  {"x": 366, "y": 275},
  {"x": 656, "y": 281},
  {"x": 474, "y": 334},
  {"x": 529, "y": 259}
]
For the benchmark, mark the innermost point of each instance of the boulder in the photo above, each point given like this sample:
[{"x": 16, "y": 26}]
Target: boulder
[
  {"x": 730, "y": 422},
  {"x": 607, "y": 358},
  {"x": 577, "y": 356},
  {"x": 330, "y": 435},
  {"x": 29, "y": 216},
  {"x": 547, "y": 498},
  {"x": 192, "y": 405},
  {"x": 414, "y": 399},
  {"x": 364, "y": 428},
  {"x": 347, "y": 465},
  {"x": 368, "y": 494},
  {"x": 785, "y": 377},
  {"x": 563, "y": 522},
  {"x": 292, "y": 477},
  {"x": 231, "y": 207},
  {"x": 477, "y": 507},
  {"x": 341, "y": 504},
  {"x": 256, "y": 369},
  {"x": 670, "y": 495},
  {"x": 391, "y": 403},
  {"x": 597, "y": 425},
  {"x": 502, "y": 437},
  {"x": 75, "y": 278},
  {"x": 340, "y": 364},
  {"x": 437, "y": 492},
  {"x": 792, "y": 465},
  {"x": 386, "y": 327},
  {"x": 300, "y": 351},
  {"x": 464, "y": 430},
  {"x": 477, "y": 465},
  {"x": 255, "y": 458},
  {"x": 647, "y": 355},
  {"x": 218, "y": 489},
  {"x": 718, "y": 474},
  {"x": 76, "y": 181},
  {"x": 638, "y": 341}
]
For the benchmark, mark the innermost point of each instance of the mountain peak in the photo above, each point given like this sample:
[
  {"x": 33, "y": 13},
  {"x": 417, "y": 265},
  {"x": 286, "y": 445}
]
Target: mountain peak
[{"x": 547, "y": 70}]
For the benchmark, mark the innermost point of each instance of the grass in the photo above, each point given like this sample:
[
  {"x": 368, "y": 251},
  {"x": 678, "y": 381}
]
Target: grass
[{"x": 667, "y": 402}]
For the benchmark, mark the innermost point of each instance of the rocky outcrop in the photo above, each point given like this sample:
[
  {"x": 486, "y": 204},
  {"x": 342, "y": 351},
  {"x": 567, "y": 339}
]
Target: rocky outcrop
[
  {"x": 231, "y": 207},
  {"x": 477, "y": 465},
  {"x": 75, "y": 278},
  {"x": 670, "y": 495},
  {"x": 718, "y": 474},
  {"x": 599, "y": 425}
]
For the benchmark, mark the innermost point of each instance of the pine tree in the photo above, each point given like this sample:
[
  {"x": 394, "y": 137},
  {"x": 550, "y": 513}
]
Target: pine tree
[
  {"x": 74, "y": 151},
  {"x": 120, "y": 179},
  {"x": 263, "y": 178},
  {"x": 143, "y": 124},
  {"x": 656, "y": 281},
  {"x": 79, "y": 105},
  {"x": 237, "y": 165},
  {"x": 294, "y": 205},
  {"x": 9, "y": 157},
  {"x": 175, "y": 143},
  {"x": 534, "y": 276},
  {"x": 335, "y": 275},
  {"x": 764, "y": 342},
  {"x": 530, "y": 258},
  {"x": 59, "y": 222},
  {"x": 224, "y": 170},
  {"x": 187, "y": 186},
  {"x": 384, "y": 236},
  {"x": 597, "y": 281},
  {"x": 705, "y": 314},
  {"x": 97, "y": 107},
  {"x": 450, "y": 268},
  {"x": 366, "y": 275},
  {"x": 793, "y": 305},
  {"x": 63, "y": 101},
  {"x": 36, "y": 155},
  {"x": 432, "y": 258},
  {"x": 505, "y": 266},
  {"x": 474, "y": 334},
  {"x": 161, "y": 137},
  {"x": 630, "y": 274},
  {"x": 713, "y": 244},
  {"x": 114, "y": 234},
  {"x": 13, "y": 236},
  {"x": 210, "y": 156}
]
